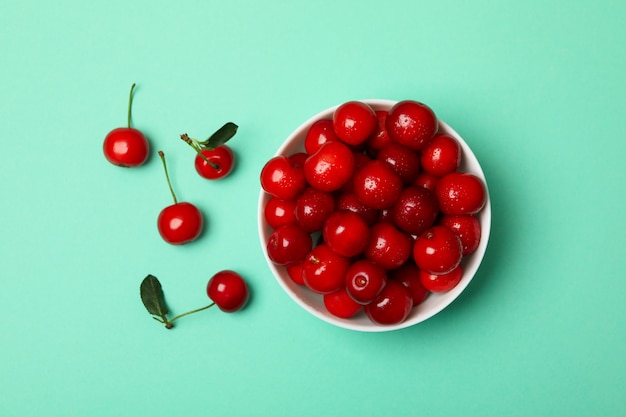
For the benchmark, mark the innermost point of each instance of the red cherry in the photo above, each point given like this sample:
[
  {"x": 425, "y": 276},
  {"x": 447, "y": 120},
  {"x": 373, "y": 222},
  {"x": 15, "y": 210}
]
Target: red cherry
[
  {"x": 387, "y": 246},
  {"x": 318, "y": 134},
  {"x": 214, "y": 159},
  {"x": 217, "y": 163},
  {"x": 441, "y": 155},
  {"x": 392, "y": 306},
  {"x": 297, "y": 159},
  {"x": 323, "y": 270},
  {"x": 295, "y": 273},
  {"x": 404, "y": 161},
  {"x": 467, "y": 228},
  {"x": 339, "y": 304},
  {"x": 354, "y": 122},
  {"x": 330, "y": 167},
  {"x": 360, "y": 159},
  {"x": 427, "y": 181},
  {"x": 441, "y": 282},
  {"x": 380, "y": 136},
  {"x": 179, "y": 223},
  {"x": 126, "y": 146},
  {"x": 313, "y": 208},
  {"x": 364, "y": 281},
  {"x": 288, "y": 245},
  {"x": 415, "y": 210},
  {"x": 411, "y": 124},
  {"x": 279, "y": 212},
  {"x": 377, "y": 185},
  {"x": 460, "y": 193},
  {"x": 280, "y": 178},
  {"x": 438, "y": 250},
  {"x": 228, "y": 291},
  {"x": 345, "y": 233},
  {"x": 409, "y": 276},
  {"x": 349, "y": 201}
]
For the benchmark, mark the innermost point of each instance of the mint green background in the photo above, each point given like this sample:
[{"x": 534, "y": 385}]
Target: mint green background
[{"x": 536, "y": 88}]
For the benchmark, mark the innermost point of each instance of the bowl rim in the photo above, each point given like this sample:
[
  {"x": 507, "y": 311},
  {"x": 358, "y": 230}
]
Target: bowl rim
[{"x": 289, "y": 145}]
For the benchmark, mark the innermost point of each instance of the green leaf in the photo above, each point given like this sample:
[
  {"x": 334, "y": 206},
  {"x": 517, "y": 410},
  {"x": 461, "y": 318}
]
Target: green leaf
[
  {"x": 152, "y": 296},
  {"x": 221, "y": 136}
]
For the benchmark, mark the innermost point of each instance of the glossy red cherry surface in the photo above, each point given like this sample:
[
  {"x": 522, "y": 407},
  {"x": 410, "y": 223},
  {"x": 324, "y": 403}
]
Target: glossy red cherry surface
[
  {"x": 323, "y": 270},
  {"x": 377, "y": 185},
  {"x": 281, "y": 178},
  {"x": 180, "y": 223},
  {"x": 467, "y": 228},
  {"x": 460, "y": 193},
  {"x": 404, "y": 161},
  {"x": 354, "y": 122},
  {"x": 279, "y": 212},
  {"x": 318, "y": 134},
  {"x": 330, "y": 167},
  {"x": 222, "y": 161},
  {"x": 288, "y": 245},
  {"x": 339, "y": 304},
  {"x": 415, "y": 210},
  {"x": 126, "y": 146},
  {"x": 438, "y": 250},
  {"x": 346, "y": 233},
  {"x": 313, "y": 208},
  {"x": 409, "y": 276},
  {"x": 350, "y": 202},
  {"x": 295, "y": 273},
  {"x": 441, "y": 155},
  {"x": 364, "y": 281},
  {"x": 387, "y": 246},
  {"x": 411, "y": 123},
  {"x": 427, "y": 181},
  {"x": 298, "y": 159},
  {"x": 228, "y": 290},
  {"x": 393, "y": 305},
  {"x": 380, "y": 136},
  {"x": 441, "y": 282}
]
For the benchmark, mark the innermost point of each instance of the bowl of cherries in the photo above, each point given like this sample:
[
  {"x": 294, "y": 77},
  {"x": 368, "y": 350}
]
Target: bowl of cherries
[{"x": 374, "y": 215}]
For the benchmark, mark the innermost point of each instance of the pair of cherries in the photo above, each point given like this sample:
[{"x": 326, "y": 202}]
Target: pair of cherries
[{"x": 181, "y": 222}]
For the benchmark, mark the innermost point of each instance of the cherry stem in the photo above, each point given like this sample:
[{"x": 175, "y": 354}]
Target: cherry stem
[
  {"x": 194, "y": 144},
  {"x": 164, "y": 320},
  {"x": 170, "y": 323},
  {"x": 162, "y": 155},
  {"x": 130, "y": 102},
  {"x": 191, "y": 312}
]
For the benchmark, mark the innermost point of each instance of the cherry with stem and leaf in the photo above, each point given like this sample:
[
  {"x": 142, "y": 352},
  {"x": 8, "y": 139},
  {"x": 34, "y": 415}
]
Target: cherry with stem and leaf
[
  {"x": 153, "y": 299},
  {"x": 226, "y": 289},
  {"x": 214, "y": 159}
]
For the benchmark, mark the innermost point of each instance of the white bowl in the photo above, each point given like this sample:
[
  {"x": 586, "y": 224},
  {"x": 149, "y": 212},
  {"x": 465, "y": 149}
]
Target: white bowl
[{"x": 313, "y": 303}]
